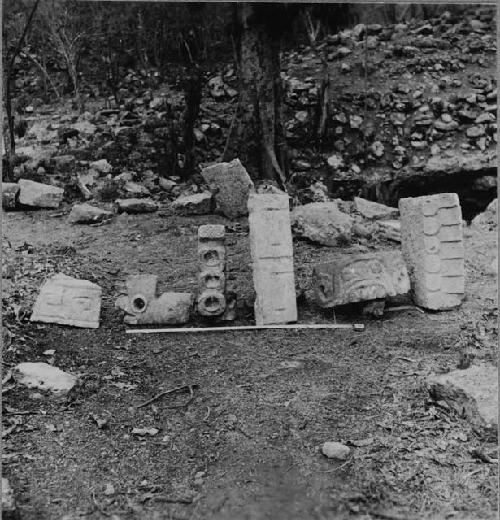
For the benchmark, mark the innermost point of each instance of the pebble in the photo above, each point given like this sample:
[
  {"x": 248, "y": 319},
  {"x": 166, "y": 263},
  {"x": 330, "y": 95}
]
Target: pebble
[{"x": 335, "y": 450}]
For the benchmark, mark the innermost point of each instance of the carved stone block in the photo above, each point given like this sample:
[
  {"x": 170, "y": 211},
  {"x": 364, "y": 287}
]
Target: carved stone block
[
  {"x": 212, "y": 265},
  {"x": 68, "y": 301},
  {"x": 143, "y": 307},
  {"x": 272, "y": 257},
  {"x": 432, "y": 242},
  {"x": 359, "y": 278}
]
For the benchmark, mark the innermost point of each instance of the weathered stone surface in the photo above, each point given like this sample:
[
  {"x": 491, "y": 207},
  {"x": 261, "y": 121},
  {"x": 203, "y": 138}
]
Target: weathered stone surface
[
  {"x": 9, "y": 194},
  {"x": 134, "y": 189},
  {"x": 335, "y": 450},
  {"x": 8, "y": 500},
  {"x": 390, "y": 229},
  {"x": 44, "y": 377},
  {"x": 432, "y": 242},
  {"x": 168, "y": 309},
  {"x": 374, "y": 210},
  {"x": 231, "y": 186},
  {"x": 322, "y": 222},
  {"x": 489, "y": 217},
  {"x": 271, "y": 250},
  {"x": 212, "y": 266},
  {"x": 472, "y": 393},
  {"x": 68, "y": 301},
  {"x": 101, "y": 166},
  {"x": 143, "y": 307},
  {"x": 87, "y": 214},
  {"x": 196, "y": 204},
  {"x": 357, "y": 278},
  {"x": 38, "y": 195},
  {"x": 136, "y": 205}
]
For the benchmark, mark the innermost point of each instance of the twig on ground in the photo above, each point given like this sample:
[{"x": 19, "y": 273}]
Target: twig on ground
[
  {"x": 338, "y": 467},
  {"x": 208, "y": 413},
  {"x": 167, "y": 392}
]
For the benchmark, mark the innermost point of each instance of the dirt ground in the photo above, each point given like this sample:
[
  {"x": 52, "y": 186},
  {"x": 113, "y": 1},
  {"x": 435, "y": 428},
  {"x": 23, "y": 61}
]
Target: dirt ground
[{"x": 247, "y": 445}]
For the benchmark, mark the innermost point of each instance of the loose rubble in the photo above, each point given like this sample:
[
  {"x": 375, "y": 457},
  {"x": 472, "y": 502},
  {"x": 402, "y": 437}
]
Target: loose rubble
[
  {"x": 87, "y": 214},
  {"x": 335, "y": 450}
]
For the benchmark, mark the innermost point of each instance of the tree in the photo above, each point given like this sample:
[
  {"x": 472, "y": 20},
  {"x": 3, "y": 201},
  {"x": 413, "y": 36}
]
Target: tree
[
  {"x": 256, "y": 135},
  {"x": 11, "y": 54}
]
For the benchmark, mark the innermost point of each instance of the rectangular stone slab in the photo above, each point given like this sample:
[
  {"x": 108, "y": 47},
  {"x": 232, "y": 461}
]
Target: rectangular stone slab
[
  {"x": 271, "y": 250},
  {"x": 432, "y": 243},
  {"x": 68, "y": 301},
  {"x": 358, "y": 278}
]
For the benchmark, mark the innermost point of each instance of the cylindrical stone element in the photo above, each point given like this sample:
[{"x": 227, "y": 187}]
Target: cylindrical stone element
[
  {"x": 360, "y": 278},
  {"x": 272, "y": 258},
  {"x": 141, "y": 290},
  {"x": 212, "y": 266},
  {"x": 432, "y": 243},
  {"x": 167, "y": 309}
]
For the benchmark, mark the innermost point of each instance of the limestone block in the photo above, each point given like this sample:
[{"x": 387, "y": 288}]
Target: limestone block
[
  {"x": 68, "y": 301},
  {"x": 272, "y": 258},
  {"x": 231, "y": 186},
  {"x": 8, "y": 500},
  {"x": 143, "y": 307},
  {"x": 196, "y": 204},
  {"x": 136, "y": 205},
  {"x": 472, "y": 393},
  {"x": 87, "y": 214},
  {"x": 358, "y": 278},
  {"x": 9, "y": 194},
  {"x": 44, "y": 377},
  {"x": 38, "y": 195},
  {"x": 212, "y": 266},
  {"x": 374, "y": 210},
  {"x": 432, "y": 243},
  {"x": 322, "y": 222}
]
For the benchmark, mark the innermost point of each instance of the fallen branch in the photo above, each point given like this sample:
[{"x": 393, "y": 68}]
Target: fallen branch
[{"x": 167, "y": 392}]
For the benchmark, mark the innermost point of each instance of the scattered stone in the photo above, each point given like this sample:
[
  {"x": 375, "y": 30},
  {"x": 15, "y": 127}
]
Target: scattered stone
[
  {"x": 335, "y": 450},
  {"x": 102, "y": 166},
  {"x": 8, "y": 501},
  {"x": 475, "y": 132},
  {"x": 143, "y": 432},
  {"x": 216, "y": 87},
  {"x": 335, "y": 162},
  {"x": 197, "y": 204},
  {"x": 374, "y": 210},
  {"x": 143, "y": 307},
  {"x": 68, "y": 301},
  {"x": 167, "y": 184},
  {"x": 9, "y": 194},
  {"x": 87, "y": 214},
  {"x": 322, "y": 222},
  {"x": 212, "y": 266},
  {"x": 136, "y": 205},
  {"x": 271, "y": 251},
  {"x": 472, "y": 393},
  {"x": 432, "y": 242},
  {"x": 44, "y": 377},
  {"x": 358, "y": 278},
  {"x": 231, "y": 186},
  {"x": 38, "y": 195},
  {"x": 134, "y": 189}
]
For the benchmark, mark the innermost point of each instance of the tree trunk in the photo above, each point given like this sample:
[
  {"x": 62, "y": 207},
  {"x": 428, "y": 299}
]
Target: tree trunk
[{"x": 256, "y": 135}]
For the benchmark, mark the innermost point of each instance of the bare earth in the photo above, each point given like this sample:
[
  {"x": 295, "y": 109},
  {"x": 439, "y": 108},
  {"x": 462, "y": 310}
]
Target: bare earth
[{"x": 264, "y": 403}]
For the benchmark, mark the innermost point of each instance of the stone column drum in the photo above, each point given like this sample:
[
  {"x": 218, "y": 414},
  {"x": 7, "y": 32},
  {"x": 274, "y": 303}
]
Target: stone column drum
[
  {"x": 272, "y": 257},
  {"x": 432, "y": 243},
  {"x": 212, "y": 264}
]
